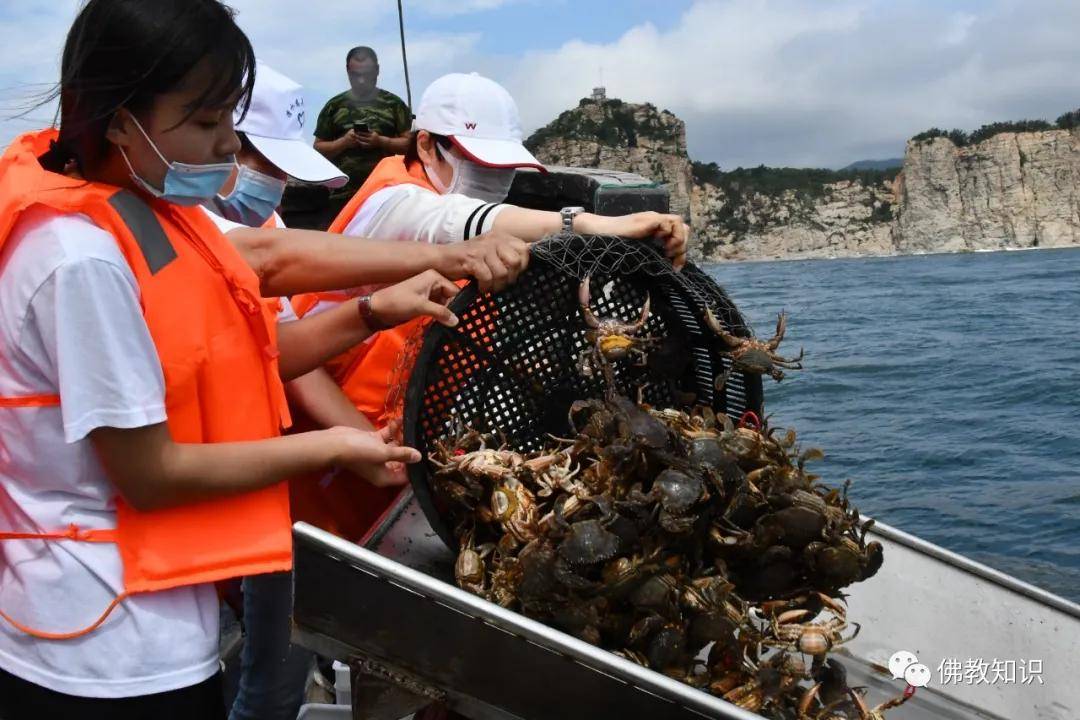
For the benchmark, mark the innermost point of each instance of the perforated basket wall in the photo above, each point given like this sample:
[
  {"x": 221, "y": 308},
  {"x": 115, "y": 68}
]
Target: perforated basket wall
[{"x": 511, "y": 365}]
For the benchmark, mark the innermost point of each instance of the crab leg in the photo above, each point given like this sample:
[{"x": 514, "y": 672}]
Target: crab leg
[
  {"x": 583, "y": 301},
  {"x": 721, "y": 379},
  {"x": 781, "y": 328},
  {"x": 714, "y": 325},
  {"x": 792, "y": 361},
  {"x": 807, "y": 700},
  {"x": 636, "y": 327}
]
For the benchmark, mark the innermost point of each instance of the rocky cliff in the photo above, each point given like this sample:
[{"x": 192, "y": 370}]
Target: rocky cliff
[
  {"x": 1013, "y": 190},
  {"x": 621, "y": 136},
  {"x": 1001, "y": 190},
  {"x": 789, "y": 213}
]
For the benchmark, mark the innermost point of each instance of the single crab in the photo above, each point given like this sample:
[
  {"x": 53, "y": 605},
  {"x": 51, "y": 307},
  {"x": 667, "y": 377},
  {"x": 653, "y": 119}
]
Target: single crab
[
  {"x": 514, "y": 506},
  {"x": 610, "y": 339},
  {"x": 751, "y": 355},
  {"x": 808, "y": 637},
  {"x": 470, "y": 568}
]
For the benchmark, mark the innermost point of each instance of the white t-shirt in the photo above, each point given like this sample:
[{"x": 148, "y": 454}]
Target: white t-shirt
[
  {"x": 410, "y": 213},
  {"x": 71, "y": 324}
]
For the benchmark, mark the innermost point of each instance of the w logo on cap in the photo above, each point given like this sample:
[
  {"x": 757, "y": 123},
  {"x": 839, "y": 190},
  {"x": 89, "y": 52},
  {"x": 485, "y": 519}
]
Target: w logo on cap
[{"x": 470, "y": 126}]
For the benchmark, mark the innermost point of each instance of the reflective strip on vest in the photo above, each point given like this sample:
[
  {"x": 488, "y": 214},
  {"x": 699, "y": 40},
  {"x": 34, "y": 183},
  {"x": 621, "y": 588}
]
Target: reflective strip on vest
[{"x": 145, "y": 228}]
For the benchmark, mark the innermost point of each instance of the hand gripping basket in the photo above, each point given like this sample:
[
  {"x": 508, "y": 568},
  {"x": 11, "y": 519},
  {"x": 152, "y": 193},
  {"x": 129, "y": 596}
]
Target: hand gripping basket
[{"x": 510, "y": 367}]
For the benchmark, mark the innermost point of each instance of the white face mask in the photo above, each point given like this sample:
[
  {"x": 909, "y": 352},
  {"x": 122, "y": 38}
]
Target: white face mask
[{"x": 472, "y": 179}]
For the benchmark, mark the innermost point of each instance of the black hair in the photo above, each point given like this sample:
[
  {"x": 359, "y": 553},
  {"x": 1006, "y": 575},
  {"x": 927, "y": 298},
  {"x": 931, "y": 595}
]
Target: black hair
[
  {"x": 364, "y": 51},
  {"x": 413, "y": 156},
  {"x": 125, "y": 53}
]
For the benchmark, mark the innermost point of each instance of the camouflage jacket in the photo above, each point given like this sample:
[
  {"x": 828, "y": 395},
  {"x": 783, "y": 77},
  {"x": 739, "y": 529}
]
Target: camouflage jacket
[{"x": 386, "y": 114}]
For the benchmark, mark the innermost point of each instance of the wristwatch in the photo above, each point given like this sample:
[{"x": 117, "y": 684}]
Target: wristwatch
[
  {"x": 568, "y": 214},
  {"x": 363, "y": 305}
]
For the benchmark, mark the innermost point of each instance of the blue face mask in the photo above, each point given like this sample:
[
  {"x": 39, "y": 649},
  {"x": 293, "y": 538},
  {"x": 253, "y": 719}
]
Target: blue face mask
[
  {"x": 253, "y": 199},
  {"x": 185, "y": 183}
]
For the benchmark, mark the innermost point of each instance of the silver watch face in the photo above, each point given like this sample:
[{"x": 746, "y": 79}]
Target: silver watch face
[{"x": 568, "y": 215}]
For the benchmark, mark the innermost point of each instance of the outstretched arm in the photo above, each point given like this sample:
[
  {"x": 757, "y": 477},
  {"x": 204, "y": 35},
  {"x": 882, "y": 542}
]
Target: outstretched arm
[
  {"x": 152, "y": 471},
  {"x": 296, "y": 261},
  {"x": 532, "y": 225},
  {"x": 308, "y": 343}
]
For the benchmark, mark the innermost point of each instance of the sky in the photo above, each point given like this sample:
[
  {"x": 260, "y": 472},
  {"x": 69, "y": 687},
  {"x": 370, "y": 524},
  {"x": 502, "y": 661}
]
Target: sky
[{"x": 802, "y": 83}]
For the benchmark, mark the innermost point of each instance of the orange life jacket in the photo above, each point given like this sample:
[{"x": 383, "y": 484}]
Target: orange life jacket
[
  {"x": 366, "y": 372},
  {"x": 343, "y": 504},
  {"x": 216, "y": 340}
]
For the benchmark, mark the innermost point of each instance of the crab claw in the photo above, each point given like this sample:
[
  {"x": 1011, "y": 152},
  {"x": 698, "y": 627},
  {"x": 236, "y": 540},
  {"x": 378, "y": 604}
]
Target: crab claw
[
  {"x": 583, "y": 301},
  {"x": 718, "y": 329},
  {"x": 583, "y": 291},
  {"x": 807, "y": 700}
]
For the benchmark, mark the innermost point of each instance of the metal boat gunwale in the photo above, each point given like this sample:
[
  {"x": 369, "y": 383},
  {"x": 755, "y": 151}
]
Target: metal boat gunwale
[
  {"x": 593, "y": 657},
  {"x": 974, "y": 567}
]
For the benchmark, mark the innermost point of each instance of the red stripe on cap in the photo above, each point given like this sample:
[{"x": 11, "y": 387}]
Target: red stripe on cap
[{"x": 485, "y": 163}]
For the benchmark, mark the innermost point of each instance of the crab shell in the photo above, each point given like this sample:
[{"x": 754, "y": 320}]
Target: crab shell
[
  {"x": 678, "y": 491},
  {"x": 537, "y": 569},
  {"x": 469, "y": 570},
  {"x": 814, "y": 641},
  {"x": 615, "y": 347},
  {"x": 589, "y": 543},
  {"x": 667, "y": 647}
]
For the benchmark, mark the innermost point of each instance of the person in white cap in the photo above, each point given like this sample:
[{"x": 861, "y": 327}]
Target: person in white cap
[
  {"x": 274, "y": 149},
  {"x": 451, "y": 183},
  {"x": 467, "y": 145}
]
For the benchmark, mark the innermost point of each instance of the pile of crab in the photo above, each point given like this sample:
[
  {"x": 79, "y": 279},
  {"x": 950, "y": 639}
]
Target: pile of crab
[{"x": 682, "y": 542}]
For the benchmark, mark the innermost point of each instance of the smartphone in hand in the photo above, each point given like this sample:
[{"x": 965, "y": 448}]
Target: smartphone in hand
[{"x": 361, "y": 127}]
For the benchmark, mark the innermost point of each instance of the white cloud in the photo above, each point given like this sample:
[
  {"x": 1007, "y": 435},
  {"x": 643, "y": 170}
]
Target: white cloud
[
  {"x": 446, "y": 8},
  {"x": 791, "y": 82}
]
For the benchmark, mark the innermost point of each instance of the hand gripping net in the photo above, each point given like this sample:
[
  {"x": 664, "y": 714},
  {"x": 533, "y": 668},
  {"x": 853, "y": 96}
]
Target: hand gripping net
[{"x": 511, "y": 366}]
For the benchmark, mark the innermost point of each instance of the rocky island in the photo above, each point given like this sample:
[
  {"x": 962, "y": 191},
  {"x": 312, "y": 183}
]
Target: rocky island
[{"x": 1004, "y": 186}]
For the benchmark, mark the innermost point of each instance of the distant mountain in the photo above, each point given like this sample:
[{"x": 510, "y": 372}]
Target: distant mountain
[{"x": 876, "y": 164}]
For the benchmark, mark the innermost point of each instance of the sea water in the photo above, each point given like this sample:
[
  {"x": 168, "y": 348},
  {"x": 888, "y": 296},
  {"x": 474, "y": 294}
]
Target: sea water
[{"x": 946, "y": 387}]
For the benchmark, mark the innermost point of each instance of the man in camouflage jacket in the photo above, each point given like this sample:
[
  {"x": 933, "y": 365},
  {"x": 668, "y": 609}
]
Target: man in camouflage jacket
[{"x": 339, "y": 134}]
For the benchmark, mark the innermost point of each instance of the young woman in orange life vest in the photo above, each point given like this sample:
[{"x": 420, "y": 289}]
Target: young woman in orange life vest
[{"x": 140, "y": 397}]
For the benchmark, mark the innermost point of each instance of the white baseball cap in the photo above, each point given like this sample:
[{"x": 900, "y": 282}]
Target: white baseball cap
[
  {"x": 274, "y": 124},
  {"x": 481, "y": 118}
]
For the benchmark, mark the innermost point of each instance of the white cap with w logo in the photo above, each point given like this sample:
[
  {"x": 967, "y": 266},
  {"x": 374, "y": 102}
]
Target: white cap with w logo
[{"x": 481, "y": 118}]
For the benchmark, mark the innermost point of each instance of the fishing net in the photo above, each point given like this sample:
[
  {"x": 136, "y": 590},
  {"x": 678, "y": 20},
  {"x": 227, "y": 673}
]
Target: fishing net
[{"x": 518, "y": 359}]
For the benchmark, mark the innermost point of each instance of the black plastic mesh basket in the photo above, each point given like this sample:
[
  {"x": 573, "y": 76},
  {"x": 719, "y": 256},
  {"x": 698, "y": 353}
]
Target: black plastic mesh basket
[{"x": 510, "y": 367}]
